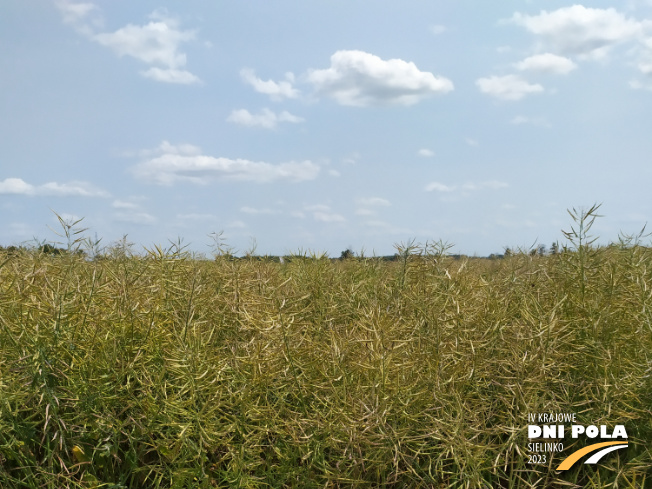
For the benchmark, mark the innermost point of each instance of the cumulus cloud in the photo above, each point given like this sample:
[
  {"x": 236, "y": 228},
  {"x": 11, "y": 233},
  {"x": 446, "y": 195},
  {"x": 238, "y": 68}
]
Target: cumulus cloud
[
  {"x": 426, "y": 153},
  {"x": 276, "y": 90},
  {"x": 266, "y": 118},
  {"x": 547, "y": 63},
  {"x": 182, "y": 163},
  {"x": 17, "y": 186},
  {"x": 156, "y": 43},
  {"x": 508, "y": 87},
  {"x": 361, "y": 79},
  {"x": 580, "y": 30}
]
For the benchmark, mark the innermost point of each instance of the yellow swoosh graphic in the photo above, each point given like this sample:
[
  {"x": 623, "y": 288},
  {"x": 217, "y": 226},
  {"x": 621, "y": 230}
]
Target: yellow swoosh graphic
[{"x": 575, "y": 456}]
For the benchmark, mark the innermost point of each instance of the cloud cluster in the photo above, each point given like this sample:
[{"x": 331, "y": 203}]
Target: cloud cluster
[
  {"x": 361, "y": 79},
  {"x": 156, "y": 43},
  {"x": 17, "y": 186},
  {"x": 355, "y": 78},
  {"x": 576, "y": 31},
  {"x": 178, "y": 163},
  {"x": 265, "y": 119},
  {"x": 579, "y": 30}
]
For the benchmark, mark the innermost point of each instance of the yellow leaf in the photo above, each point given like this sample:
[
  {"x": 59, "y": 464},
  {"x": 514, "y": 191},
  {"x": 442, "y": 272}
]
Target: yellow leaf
[{"x": 79, "y": 455}]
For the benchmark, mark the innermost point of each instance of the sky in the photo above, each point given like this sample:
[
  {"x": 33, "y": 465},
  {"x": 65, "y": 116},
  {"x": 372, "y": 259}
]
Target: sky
[{"x": 294, "y": 126}]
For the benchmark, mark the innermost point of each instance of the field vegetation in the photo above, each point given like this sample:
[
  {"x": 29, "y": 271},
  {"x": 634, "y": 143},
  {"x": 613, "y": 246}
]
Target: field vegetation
[{"x": 123, "y": 370}]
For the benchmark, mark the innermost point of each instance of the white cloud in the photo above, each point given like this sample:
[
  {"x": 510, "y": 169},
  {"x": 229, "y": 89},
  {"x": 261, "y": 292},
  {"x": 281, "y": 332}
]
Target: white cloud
[
  {"x": 237, "y": 224},
  {"x": 135, "y": 217},
  {"x": 426, "y": 153},
  {"x": 174, "y": 164},
  {"x": 156, "y": 43},
  {"x": 547, "y": 63},
  {"x": 254, "y": 211},
  {"x": 490, "y": 184},
  {"x": 321, "y": 213},
  {"x": 123, "y": 204},
  {"x": 276, "y": 90},
  {"x": 328, "y": 217},
  {"x": 18, "y": 186},
  {"x": 468, "y": 186},
  {"x": 438, "y": 29},
  {"x": 83, "y": 17},
  {"x": 193, "y": 216},
  {"x": 645, "y": 67},
  {"x": 352, "y": 159},
  {"x": 170, "y": 75},
  {"x": 368, "y": 205},
  {"x": 536, "y": 121},
  {"x": 317, "y": 208},
  {"x": 266, "y": 118},
  {"x": 373, "y": 201},
  {"x": 79, "y": 189},
  {"x": 644, "y": 64},
  {"x": 581, "y": 30},
  {"x": 177, "y": 149},
  {"x": 384, "y": 228},
  {"x": 639, "y": 85},
  {"x": 438, "y": 187},
  {"x": 508, "y": 87},
  {"x": 360, "y": 79}
]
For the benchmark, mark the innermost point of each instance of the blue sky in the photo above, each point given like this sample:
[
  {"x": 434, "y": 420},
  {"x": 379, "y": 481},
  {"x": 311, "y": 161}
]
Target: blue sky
[{"x": 324, "y": 125}]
